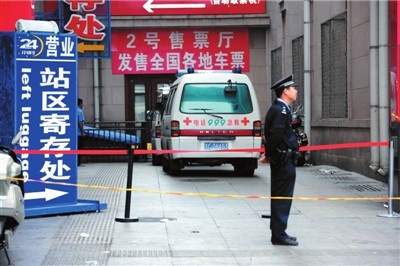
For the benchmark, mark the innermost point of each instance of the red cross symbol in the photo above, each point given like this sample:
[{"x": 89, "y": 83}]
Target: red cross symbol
[
  {"x": 245, "y": 121},
  {"x": 187, "y": 121}
]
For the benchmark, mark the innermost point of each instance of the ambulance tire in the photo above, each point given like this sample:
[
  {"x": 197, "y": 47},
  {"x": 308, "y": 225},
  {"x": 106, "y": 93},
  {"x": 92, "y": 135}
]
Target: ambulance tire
[
  {"x": 156, "y": 159},
  {"x": 171, "y": 167},
  {"x": 243, "y": 168},
  {"x": 165, "y": 165},
  {"x": 175, "y": 172},
  {"x": 244, "y": 172},
  {"x": 174, "y": 167}
]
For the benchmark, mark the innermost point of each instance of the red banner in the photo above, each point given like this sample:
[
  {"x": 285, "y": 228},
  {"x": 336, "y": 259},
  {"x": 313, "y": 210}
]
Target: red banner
[
  {"x": 167, "y": 50},
  {"x": 394, "y": 60},
  {"x": 186, "y": 7},
  {"x": 11, "y": 11}
]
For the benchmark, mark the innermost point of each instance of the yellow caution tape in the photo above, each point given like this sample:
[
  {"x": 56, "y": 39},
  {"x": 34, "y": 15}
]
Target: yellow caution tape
[{"x": 210, "y": 195}]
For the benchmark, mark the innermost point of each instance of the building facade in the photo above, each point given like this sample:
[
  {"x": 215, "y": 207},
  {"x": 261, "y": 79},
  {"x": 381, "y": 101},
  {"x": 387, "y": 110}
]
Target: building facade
[
  {"x": 334, "y": 88},
  {"x": 344, "y": 57},
  {"x": 339, "y": 99}
]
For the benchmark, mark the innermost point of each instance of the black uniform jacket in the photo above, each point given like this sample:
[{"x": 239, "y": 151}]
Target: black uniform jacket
[{"x": 278, "y": 129}]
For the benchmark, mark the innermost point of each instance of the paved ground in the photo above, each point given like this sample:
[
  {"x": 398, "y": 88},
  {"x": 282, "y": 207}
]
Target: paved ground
[{"x": 194, "y": 230}]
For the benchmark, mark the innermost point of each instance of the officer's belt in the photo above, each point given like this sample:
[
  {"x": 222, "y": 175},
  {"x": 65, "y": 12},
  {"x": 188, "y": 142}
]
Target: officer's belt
[{"x": 288, "y": 155}]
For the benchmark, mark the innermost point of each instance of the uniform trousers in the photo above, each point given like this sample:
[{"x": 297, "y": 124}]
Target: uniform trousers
[{"x": 283, "y": 177}]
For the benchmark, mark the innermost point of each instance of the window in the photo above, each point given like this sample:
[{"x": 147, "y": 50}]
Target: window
[
  {"x": 140, "y": 104},
  {"x": 276, "y": 68},
  {"x": 169, "y": 101},
  {"x": 334, "y": 67},
  {"x": 298, "y": 69},
  {"x": 215, "y": 98}
]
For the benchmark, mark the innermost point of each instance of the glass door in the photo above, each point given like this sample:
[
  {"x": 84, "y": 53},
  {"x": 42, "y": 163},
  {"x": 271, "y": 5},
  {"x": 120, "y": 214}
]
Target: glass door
[{"x": 140, "y": 96}]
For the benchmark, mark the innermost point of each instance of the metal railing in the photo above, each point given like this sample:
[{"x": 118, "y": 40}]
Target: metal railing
[{"x": 114, "y": 136}]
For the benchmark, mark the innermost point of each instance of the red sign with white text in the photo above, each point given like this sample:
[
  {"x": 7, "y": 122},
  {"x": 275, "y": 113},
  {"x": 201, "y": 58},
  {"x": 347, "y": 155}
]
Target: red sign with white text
[
  {"x": 186, "y": 7},
  {"x": 167, "y": 50},
  {"x": 395, "y": 61},
  {"x": 91, "y": 22}
]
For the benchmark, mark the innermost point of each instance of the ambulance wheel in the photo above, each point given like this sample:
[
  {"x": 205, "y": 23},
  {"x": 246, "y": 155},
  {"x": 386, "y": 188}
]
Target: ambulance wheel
[
  {"x": 165, "y": 165},
  {"x": 241, "y": 170},
  {"x": 174, "y": 167},
  {"x": 156, "y": 159},
  {"x": 245, "y": 167},
  {"x": 175, "y": 172},
  {"x": 171, "y": 167}
]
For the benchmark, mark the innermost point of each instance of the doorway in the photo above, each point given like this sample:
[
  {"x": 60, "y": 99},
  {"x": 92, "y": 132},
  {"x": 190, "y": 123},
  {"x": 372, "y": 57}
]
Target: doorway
[{"x": 140, "y": 96}]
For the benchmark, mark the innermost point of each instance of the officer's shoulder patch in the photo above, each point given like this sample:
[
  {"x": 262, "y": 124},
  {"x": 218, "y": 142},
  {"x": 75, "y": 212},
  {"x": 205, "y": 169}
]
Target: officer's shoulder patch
[{"x": 283, "y": 110}]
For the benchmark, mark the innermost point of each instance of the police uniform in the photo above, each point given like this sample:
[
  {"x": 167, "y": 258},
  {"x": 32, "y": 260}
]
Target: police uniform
[{"x": 281, "y": 149}]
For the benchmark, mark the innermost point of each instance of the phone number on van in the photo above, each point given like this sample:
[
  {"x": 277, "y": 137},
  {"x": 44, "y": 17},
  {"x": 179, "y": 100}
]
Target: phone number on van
[{"x": 216, "y": 122}]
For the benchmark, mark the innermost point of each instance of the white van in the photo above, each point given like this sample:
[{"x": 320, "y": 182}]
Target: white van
[
  {"x": 155, "y": 116},
  {"x": 207, "y": 112}
]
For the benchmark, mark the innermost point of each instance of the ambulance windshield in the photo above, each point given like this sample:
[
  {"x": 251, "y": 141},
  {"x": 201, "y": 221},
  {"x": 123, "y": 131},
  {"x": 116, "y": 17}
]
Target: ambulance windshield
[{"x": 215, "y": 99}]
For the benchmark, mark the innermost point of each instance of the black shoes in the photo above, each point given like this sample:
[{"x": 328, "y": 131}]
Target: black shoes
[{"x": 287, "y": 241}]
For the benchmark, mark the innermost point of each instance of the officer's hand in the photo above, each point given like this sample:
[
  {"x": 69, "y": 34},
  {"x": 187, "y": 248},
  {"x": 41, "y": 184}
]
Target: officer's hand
[{"x": 263, "y": 159}]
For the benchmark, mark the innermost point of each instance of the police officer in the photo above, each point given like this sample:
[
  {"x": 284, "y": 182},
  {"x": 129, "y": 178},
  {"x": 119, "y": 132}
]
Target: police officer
[{"x": 281, "y": 150}]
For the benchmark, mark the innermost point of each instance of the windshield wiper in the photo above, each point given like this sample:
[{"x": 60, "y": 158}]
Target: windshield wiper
[{"x": 205, "y": 111}]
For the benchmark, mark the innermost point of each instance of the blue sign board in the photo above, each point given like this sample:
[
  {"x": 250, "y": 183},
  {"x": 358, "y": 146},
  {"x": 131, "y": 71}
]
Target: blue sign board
[
  {"x": 46, "y": 84},
  {"x": 45, "y": 111}
]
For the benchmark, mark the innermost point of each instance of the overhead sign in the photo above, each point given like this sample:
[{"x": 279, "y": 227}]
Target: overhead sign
[
  {"x": 168, "y": 50},
  {"x": 90, "y": 21},
  {"x": 186, "y": 7}
]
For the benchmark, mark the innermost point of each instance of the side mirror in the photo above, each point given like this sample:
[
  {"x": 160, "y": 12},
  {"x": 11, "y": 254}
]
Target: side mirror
[
  {"x": 230, "y": 89},
  {"x": 149, "y": 115}
]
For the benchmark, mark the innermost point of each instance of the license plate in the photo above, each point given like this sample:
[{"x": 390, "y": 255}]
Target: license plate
[{"x": 216, "y": 146}]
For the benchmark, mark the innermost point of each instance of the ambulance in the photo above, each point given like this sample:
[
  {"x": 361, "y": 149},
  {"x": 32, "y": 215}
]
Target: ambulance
[
  {"x": 209, "y": 115},
  {"x": 155, "y": 116}
]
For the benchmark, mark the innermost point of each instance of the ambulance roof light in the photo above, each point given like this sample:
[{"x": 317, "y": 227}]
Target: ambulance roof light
[
  {"x": 237, "y": 70},
  {"x": 190, "y": 70}
]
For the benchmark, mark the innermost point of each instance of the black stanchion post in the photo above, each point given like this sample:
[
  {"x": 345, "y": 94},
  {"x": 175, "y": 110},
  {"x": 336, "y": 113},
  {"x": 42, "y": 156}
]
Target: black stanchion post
[
  {"x": 126, "y": 219},
  {"x": 390, "y": 213}
]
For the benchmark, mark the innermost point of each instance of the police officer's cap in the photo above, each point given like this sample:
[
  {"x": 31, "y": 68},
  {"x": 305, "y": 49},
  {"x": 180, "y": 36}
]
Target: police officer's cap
[{"x": 283, "y": 83}]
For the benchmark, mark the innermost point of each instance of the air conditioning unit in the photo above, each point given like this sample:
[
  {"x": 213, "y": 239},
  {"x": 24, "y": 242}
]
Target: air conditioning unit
[{"x": 23, "y": 25}]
